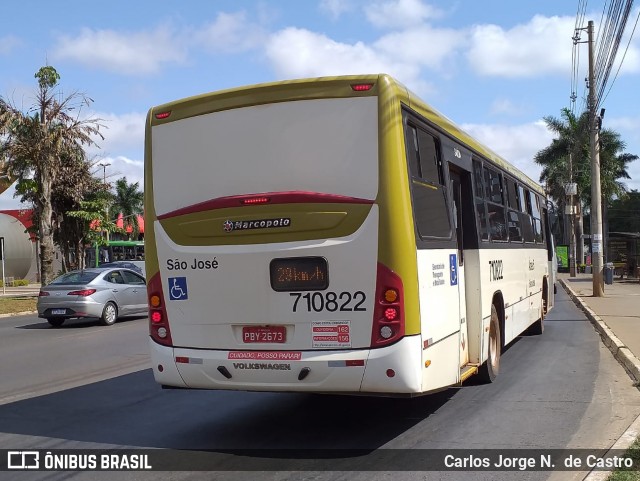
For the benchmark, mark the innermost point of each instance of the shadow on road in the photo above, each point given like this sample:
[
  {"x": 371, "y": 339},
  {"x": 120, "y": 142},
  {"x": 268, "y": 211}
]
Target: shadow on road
[
  {"x": 77, "y": 323},
  {"x": 132, "y": 410}
]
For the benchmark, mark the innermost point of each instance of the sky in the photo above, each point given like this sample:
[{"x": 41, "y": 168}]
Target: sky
[{"x": 495, "y": 67}]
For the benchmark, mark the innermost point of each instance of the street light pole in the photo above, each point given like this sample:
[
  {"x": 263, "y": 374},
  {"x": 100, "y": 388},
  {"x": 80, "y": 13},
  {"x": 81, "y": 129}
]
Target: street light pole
[{"x": 104, "y": 166}]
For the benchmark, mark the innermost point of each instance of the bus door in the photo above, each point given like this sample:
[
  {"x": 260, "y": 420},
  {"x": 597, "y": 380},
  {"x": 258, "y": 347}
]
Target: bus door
[{"x": 461, "y": 193}]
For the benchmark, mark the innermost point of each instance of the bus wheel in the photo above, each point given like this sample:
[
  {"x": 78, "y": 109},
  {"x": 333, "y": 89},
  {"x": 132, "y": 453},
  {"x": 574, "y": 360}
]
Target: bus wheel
[
  {"x": 490, "y": 368},
  {"x": 537, "y": 327}
]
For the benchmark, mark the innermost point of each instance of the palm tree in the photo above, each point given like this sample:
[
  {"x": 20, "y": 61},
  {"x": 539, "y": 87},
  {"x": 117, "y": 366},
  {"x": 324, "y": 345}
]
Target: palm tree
[
  {"x": 573, "y": 138},
  {"x": 128, "y": 201},
  {"x": 571, "y": 145},
  {"x": 35, "y": 145}
]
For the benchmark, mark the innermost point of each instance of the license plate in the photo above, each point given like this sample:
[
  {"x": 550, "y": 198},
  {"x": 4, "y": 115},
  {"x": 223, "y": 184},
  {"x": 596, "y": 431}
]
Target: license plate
[
  {"x": 57, "y": 312},
  {"x": 268, "y": 334}
]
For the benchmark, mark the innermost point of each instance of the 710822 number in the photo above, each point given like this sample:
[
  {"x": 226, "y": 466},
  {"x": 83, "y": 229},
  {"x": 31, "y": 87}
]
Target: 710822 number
[{"x": 329, "y": 301}]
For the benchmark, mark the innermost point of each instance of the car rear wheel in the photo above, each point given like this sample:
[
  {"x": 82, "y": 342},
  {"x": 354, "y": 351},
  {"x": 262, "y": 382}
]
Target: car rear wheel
[
  {"x": 55, "y": 321},
  {"x": 109, "y": 314}
]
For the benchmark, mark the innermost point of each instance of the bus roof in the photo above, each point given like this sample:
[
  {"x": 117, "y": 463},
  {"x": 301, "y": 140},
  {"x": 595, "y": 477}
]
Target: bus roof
[{"x": 325, "y": 87}]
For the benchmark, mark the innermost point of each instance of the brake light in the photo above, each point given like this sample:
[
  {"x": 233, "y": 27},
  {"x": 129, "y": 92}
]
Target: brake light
[
  {"x": 388, "y": 311},
  {"x": 82, "y": 293},
  {"x": 361, "y": 87},
  {"x": 163, "y": 115},
  {"x": 255, "y": 200},
  {"x": 43, "y": 294},
  {"x": 158, "y": 322}
]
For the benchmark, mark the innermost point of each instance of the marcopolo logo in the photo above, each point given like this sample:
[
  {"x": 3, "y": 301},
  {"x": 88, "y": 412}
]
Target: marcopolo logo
[{"x": 230, "y": 225}]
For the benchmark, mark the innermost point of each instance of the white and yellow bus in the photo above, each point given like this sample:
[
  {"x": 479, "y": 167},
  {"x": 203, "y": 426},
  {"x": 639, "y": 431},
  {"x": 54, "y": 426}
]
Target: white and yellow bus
[{"x": 334, "y": 235}]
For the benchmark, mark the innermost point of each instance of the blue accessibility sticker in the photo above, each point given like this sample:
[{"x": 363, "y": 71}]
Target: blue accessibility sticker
[{"x": 178, "y": 289}]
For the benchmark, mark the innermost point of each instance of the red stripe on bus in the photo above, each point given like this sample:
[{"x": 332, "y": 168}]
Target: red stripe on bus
[{"x": 292, "y": 197}]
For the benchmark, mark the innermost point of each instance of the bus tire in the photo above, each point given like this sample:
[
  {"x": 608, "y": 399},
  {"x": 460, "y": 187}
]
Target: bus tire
[
  {"x": 109, "y": 314},
  {"x": 55, "y": 321},
  {"x": 489, "y": 370}
]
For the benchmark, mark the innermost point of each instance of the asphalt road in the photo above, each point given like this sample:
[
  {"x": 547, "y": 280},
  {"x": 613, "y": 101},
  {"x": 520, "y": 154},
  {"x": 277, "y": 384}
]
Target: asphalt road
[{"x": 89, "y": 386}]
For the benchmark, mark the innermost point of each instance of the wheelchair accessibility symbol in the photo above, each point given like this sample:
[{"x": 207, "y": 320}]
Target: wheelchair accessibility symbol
[{"x": 178, "y": 288}]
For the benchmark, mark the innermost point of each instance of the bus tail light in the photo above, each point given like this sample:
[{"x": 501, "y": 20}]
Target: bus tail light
[
  {"x": 361, "y": 87},
  {"x": 388, "y": 310},
  {"x": 158, "y": 322}
]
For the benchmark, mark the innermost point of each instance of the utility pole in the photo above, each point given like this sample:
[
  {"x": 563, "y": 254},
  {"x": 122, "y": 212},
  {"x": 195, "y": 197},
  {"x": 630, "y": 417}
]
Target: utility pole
[
  {"x": 571, "y": 190},
  {"x": 104, "y": 166},
  {"x": 596, "y": 196}
]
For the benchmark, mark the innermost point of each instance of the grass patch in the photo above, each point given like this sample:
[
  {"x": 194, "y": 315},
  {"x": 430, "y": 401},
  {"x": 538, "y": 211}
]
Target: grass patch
[
  {"x": 9, "y": 305},
  {"x": 632, "y": 475}
]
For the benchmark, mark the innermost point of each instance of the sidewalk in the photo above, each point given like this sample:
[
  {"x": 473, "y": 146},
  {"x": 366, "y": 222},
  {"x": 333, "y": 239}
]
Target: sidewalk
[
  {"x": 616, "y": 316},
  {"x": 21, "y": 291}
]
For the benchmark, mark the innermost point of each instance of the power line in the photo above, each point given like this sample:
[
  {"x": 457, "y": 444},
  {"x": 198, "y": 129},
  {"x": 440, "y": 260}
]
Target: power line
[
  {"x": 575, "y": 54},
  {"x": 623, "y": 57},
  {"x": 613, "y": 21}
]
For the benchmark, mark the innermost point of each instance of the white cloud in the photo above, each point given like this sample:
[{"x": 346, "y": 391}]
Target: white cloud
[
  {"x": 301, "y": 53},
  {"x": 335, "y": 8},
  {"x": 630, "y": 47},
  {"x": 424, "y": 45},
  {"x": 131, "y": 54},
  {"x": 518, "y": 144},
  {"x": 400, "y": 13},
  {"x": 121, "y": 166},
  {"x": 504, "y": 106},
  {"x": 296, "y": 53},
  {"x": 631, "y": 124},
  {"x": 8, "y": 43},
  {"x": 230, "y": 33},
  {"x": 123, "y": 133},
  {"x": 538, "y": 48}
]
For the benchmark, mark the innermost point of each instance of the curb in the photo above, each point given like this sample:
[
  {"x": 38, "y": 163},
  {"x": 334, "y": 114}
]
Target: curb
[
  {"x": 23, "y": 313},
  {"x": 628, "y": 360}
]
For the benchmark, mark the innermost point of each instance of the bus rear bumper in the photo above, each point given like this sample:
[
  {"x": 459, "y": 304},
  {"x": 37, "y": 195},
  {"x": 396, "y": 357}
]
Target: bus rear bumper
[{"x": 385, "y": 370}]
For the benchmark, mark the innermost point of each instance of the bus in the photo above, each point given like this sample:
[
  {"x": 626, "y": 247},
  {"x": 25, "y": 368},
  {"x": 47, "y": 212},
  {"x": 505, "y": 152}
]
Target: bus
[
  {"x": 334, "y": 235},
  {"x": 115, "y": 250}
]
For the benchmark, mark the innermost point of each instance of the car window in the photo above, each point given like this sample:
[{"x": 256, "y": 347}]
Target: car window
[
  {"x": 76, "y": 278},
  {"x": 131, "y": 278},
  {"x": 114, "y": 277}
]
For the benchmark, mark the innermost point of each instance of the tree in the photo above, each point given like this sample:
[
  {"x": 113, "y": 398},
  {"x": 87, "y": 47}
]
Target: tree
[
  {"x": 624, "y": 213},
  {"x": 128, "y": 201},
  {"x": 92, "y": 214},
  {"x": 573, "y": 137},
  {"x": 71, "y": 233},
  {"x": 37, "y": 144},
  {"x": 571, "y": 144}
]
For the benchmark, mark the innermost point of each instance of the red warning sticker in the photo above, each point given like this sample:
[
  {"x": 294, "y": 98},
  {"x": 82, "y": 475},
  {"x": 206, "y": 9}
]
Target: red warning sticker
[{"x": 330, "y": 334}]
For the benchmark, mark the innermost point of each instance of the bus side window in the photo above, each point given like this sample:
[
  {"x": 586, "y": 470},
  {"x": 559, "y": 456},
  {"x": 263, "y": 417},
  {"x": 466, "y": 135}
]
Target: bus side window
[
  {"x": 480, "y": 204},
  {"x": 535, "y": 213},
  {"x": 513, "y": 217},
  {"x": 525, "y": 215},
  {"x": 427, "y": 189},
  {"x": 495, "y": 204}
]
